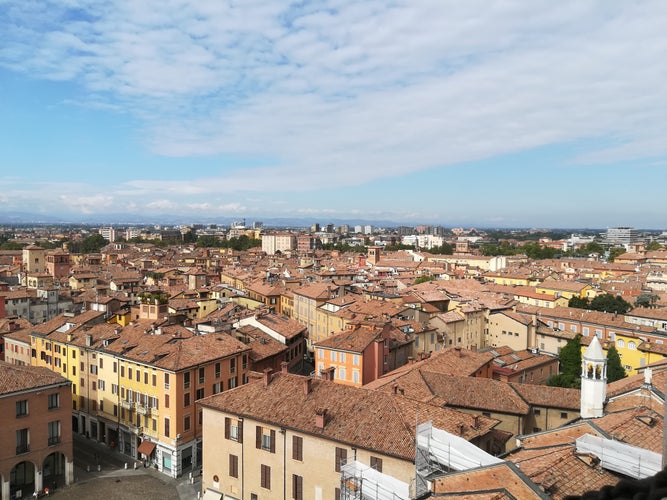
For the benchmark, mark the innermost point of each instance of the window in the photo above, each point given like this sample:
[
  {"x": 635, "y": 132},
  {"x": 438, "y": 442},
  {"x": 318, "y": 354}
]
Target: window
[
  {"x": 186, "y": 423},
  {"x": 333, "y": 355},
  {"x": 54, "y": 401},
  {"x": 186, "y": 380},
  {"x": 101, "y": 363},
  {"x": 320, "y": 354},
  {"x": 537, "y": 412},
  {"x": 341, "y": 458},
  {"x": 563, "y": 414},
  {"x": 138, "y": 375},
  {"x": 620, "y": 343},
  {"x": 166, "y": 400},
  {"x": 22, "y": 441},
  {"x": 114, "y": 389},
  {"x": 201, "y": 374},
  {"x": 355, "y": 360},
  {"x": 129, "y": 372},
  {"x": 342, "y": 357},
  {"x": 231, "y": 383},
  {"x": 266, "y": 477},
  {"x": 166, "y": 381},
  {"x": 376, "y": 463},
  {"x": 217, "y": 370},
  {"x": 22, "y": 408},
  {"x": 632, "y": 346},
  {"x": 232, "y": 365},
  {"x": 234, "y": 466},
  {"x": 54, "y": 432},
  {"x": 122, "y": 370},
  {"x": 297, "y": 448},
  {"x": 166, "y": 426},
  {"x": 355, "y": 376},
  {"x": 115, "y": 367},
  {"x": 186, "y": 399},
  {"x": 297, "y": 487},
  {"x": 217, "y": 387},
  {"x": 244, "y": 362},
  {"x": 598, "y": 333},
  {"x": 265, "y": 439},
  {"x": 233, "y": 429}
]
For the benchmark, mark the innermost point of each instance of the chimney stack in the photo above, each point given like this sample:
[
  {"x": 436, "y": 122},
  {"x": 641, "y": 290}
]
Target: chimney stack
[
  {"x": 458, "y": 351},
  {"x": 89, "y": 339},
  {"x": 320, "y": 418},
  {"x": 411, "y": 360},
  {"x": 328, "y": 373},
  {"x": 394, "y": 388},
  {"x": 283, "y": 367},
  {"x": 307, "y": 385},
  {"x": 267, "y": 376}
]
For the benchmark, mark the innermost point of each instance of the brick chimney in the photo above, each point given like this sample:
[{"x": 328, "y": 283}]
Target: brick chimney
[
  {"x": 394, "y": 388},
  {"x": 283, "y": 367},
  {"x": 307, "y": 385},
  {"x": 328, "y": 373},
  {"x": 267, "y": 376},
  {"x": 320, "y": 418},
  {"x": 457, "y": 349}
]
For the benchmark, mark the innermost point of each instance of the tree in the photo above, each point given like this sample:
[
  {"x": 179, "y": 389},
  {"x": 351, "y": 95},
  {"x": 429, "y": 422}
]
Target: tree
[
  {"x": 615, "y": 252},
  {"x": 424, "y": 279},
  {"x": 646, "y": 300},
  {"x": 653, "y": 246},
  {"x": 579, "y": 302},
  {"x": 570, "y": 365},
  {"x": 610, "y": 303},
  {"x": 190, "y": 237},
  {"x": 615, "y": 370}
]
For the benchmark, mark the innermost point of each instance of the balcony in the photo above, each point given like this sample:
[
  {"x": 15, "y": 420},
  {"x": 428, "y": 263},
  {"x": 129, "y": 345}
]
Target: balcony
[
  {"x": 154, "y": 412},
  {"x": 142, "y": 410},
  {"x": 126, "y": 404}
]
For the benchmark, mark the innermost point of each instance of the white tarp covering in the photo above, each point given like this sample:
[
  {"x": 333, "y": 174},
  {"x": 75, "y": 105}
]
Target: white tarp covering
[
  {"x": 452, "y": 451},
  {"x": 620, "y": 457},
  {"x": 373, "y": 484}
]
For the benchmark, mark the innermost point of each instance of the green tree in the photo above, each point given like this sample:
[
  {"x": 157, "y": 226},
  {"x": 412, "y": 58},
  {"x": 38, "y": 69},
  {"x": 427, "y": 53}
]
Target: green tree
[
  {"x": 190, "y": 237},
  {"x": 653, "y": 246},
  {"x": 615, "y": 252},
  {"x": 610, "y": 303},
  {"x": 578, "y": 302},
  {"x": 570, "y": 365},
  {"x": 90, "y": 244},
  {"x": 208, "y": 241},
  {"x": 615, "y": 370},
  {"x": 592, "y": 247},
  {"x": 424, "y": 279},
  {"x": 646, "y": 300}
]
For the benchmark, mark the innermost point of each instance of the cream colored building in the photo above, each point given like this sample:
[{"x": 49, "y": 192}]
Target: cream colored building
[{"x": 287, "y": 436}]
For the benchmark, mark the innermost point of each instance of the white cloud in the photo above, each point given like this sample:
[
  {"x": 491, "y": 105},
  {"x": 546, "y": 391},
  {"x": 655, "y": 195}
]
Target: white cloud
[
  {"x": 87, "y": 204},
  {"x": 338, "y": 93}
]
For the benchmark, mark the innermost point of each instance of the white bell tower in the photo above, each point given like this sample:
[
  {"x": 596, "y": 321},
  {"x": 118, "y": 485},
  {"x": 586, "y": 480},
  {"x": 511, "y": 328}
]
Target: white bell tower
[{"x": 593, "y": 380}]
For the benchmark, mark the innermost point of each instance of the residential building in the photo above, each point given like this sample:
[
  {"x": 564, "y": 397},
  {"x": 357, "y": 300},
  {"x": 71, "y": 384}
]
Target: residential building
[
  {"x": 278, "y": 242},
  {"x": 289, "y": 436},
  {"x": 36, "y": 431}
]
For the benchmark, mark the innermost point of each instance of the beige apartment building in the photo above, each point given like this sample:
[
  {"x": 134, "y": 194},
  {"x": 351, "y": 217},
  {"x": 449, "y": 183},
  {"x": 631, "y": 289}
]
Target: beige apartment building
[{"x": 287, "y": 436}]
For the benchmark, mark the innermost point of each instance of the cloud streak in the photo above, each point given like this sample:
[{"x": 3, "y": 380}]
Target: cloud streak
[{"x": 342, "y": 93}]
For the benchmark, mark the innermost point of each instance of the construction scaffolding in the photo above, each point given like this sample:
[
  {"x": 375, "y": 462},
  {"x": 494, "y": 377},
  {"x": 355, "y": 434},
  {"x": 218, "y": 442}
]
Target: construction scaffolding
[
  {"x": 361, "y": 482},
  {"x": 439, "y": 452},
  {"x": 620, "y": 457}
]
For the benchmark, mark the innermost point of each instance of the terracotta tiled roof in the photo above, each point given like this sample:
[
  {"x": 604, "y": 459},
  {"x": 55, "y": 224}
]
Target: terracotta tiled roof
[
  {"x": 14, "y": 378},
  {"x": 360, "y": 418}
]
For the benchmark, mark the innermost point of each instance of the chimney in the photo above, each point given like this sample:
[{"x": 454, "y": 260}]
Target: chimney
[
  {"x": 69, "y": 337},
  {"x": 267, "y": 376},
  {"x": 460, "y": 427},
  {"x": 458, "y": 351},
  {"x": 394, "y": 388},
  {"x": 411, "y": 360},
  {"x": 89, "y": 339},
  {"x": 307, "y": 385},
  {"x": 328, "y": 373},
  {"x": 320, "y": 418},
  {"x": 475, "y": 424},
  {"x": 283, "y": 367}
]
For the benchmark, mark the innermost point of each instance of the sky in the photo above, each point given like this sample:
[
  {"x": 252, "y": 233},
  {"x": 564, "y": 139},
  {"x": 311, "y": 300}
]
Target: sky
[{"x": 458, "y": 113}]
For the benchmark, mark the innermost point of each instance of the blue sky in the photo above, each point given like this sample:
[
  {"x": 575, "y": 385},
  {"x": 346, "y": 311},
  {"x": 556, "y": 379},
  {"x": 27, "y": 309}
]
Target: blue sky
[{"x": 513, "y": 113}]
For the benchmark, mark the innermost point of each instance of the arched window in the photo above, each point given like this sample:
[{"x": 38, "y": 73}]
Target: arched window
[
  {"x": 620, "y": 343},
  {"x": 632, "y": 346}
]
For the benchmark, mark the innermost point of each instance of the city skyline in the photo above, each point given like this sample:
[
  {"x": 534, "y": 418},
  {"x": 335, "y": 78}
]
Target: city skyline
[{"x": 520, "y": 114}]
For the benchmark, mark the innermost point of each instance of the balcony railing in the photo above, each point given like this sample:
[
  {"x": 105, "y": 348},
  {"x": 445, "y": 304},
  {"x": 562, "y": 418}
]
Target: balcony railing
[
  {"x": 141, "y": 409},
  {"x": 126, "y": 404}
]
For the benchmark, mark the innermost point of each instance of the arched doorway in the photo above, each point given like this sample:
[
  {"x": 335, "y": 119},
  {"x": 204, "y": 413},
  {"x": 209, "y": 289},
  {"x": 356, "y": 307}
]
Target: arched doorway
[
  {"x": 53, "y": 471},
  {"x": 22, "y": 478}
]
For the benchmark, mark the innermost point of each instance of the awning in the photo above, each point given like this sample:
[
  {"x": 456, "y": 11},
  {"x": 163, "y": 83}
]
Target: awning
[
  {"x": 212, "y": 495},
  {"x": 146, "y": 447}
]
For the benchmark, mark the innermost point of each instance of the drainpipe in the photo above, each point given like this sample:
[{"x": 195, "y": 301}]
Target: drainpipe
[
  {"x": 284, "y": 433},
  {"x": 242, "y": 463}
]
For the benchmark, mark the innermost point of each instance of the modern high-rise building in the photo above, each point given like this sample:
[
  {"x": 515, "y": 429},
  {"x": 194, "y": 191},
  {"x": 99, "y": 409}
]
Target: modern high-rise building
[{"x": 622, "y": 235}]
